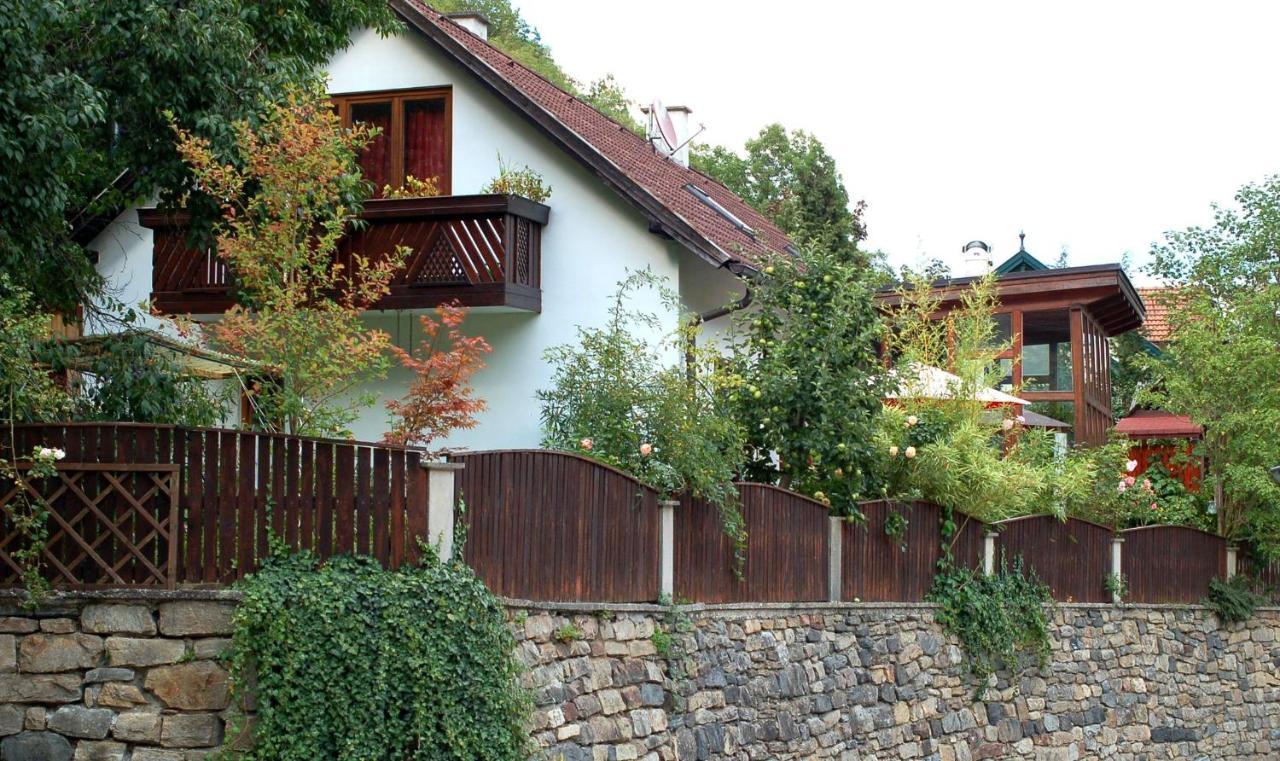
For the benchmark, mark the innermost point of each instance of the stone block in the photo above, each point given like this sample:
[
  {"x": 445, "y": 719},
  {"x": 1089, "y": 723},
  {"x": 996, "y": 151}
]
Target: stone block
[
  {"x": 210, "y": 648},
  {"x": 11, "y": 719},
  {"x": 130, "y": 651},
  {"x": 117, "y": 619},
  {"x": 97, "y": 676},
  {"x": 58, "y": 625},
  {"x": 100, "y": 751},
  {"x": 190, "y": 618},
  {"x": 39, "y": 688},
  {"x": 35, "y": 718},
  {"x": 35, "y": 746},
  {"x": 137, "y": 727},
  {"x": 194, "y": 686},
  {"x": 8, "y": 652},
  {"x": 156, "y": 754},
  {"x": 190, "y": 730},
  {"x": 120, "y": 695},
  {"x": 50, "y": 653},
  {"x": 78, "y": 721},
  {"x": 18, "y": 625}
]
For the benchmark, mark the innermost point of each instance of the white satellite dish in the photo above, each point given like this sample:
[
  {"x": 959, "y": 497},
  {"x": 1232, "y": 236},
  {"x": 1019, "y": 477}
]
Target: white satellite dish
[{"x": 666, "y": 129}]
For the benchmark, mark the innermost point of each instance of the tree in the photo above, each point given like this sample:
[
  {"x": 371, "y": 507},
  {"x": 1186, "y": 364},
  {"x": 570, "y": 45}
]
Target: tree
[
  {"x": 790, "y": 178},
  {"x": 286, "y": 203},
  {"x": 1129, "y": 371},
  {"x": 440, "y": 398},
  {"x": 1222, "y": 364},
  {"x": 83, "y": 89},
  {"x": 609, "y": 97},
  {"x": 807, "y": 378}
]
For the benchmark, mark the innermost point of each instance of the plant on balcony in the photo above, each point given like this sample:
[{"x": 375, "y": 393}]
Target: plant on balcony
[
  {"x": 286, "y": 202},
  {"x": 441, "y": 398},
  {"x": 806, "y": 380},
  {"x": 615, "y": 398},
  {"x": 413, "y": 188},
  {"x": 519, "y": 181}
]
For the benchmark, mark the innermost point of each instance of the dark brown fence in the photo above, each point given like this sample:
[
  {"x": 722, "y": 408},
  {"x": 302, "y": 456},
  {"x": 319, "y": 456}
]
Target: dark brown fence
[
  {"x": 882, "y": 568},
  {"x": 555, "y": 526},
  {"x": 786, "y": 554},
  {"x": 331, "y": 497},
  {"x": 1266, "y": 575},
  {"x": 1171, "y": 563},
  {"x": 1072, "y": 557}
]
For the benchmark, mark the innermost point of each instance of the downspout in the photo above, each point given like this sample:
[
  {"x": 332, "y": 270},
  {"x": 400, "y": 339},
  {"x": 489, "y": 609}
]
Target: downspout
[{"x": 699, "y": 318}]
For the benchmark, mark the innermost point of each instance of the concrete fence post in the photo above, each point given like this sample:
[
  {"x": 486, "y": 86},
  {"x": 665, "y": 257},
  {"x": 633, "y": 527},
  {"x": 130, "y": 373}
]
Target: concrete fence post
[
  {"x": 989, "y": 553},
  {"x": 835, "y": 558},
  {"x": 441, "y": 499},
  {"x": 1233, "y": 560},
  {"x": 1117, "y": 566},
  {"x": 667, "y": 548}
]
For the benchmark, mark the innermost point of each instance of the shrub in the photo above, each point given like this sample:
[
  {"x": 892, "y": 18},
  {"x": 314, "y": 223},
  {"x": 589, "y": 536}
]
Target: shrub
[
  {"x": 413, "y": 188},
  {"x": 350, "y": 661},
  {"x": 1234, "y": 600},
  {"x": 613, "y": 398},
  {"x": 519, "y": 181}
]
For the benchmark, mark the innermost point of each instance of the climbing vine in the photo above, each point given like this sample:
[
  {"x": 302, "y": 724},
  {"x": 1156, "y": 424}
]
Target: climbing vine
[
  {"x": 999, "y": 619},
  {"x": 350, "y": 661}
]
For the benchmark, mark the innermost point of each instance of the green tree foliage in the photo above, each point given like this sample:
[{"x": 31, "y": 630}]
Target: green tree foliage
[
  {"x": 1222, "y": 365},
  {"x": 27, "y": 391},
  {"x": 609, "y": 97},
  {"x": 790, "y": 178},
  {"x": 1129, "y": 371},
  {"x": 350, "y": 662},
  {"x": 85, "y": 85},
  {"x": 807, "y": 379},
  {"x": 614, "y": 397}
]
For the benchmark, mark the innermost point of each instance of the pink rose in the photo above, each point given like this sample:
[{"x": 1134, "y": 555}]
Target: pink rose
[
  {"x": 1154, "y": 506},
  {"x": 587, "y": 444},
  {"x": 646, "y": 449},
  {"x": 1146, "y": 484},
  {"x": 893, "y": 451},
  {"x": 1129, "y": 480},
  {"x": 910, "y": 452},
  {"x": 1131, "y": 465}
]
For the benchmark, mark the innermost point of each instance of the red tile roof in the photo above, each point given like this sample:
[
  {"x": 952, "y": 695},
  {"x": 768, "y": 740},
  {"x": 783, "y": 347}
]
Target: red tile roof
[
  {"x": 1156, "y": 328},
  {"x": 624, "y": 160},
  {"x": 1157, "y": 424}
]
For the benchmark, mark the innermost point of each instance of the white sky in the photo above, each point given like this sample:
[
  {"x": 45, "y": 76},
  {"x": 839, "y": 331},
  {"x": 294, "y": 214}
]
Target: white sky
[{"x": 1093, "y": 125}]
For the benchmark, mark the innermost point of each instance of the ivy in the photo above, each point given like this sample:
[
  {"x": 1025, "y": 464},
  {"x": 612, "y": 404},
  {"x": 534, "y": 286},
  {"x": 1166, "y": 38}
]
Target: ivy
[
  {"x": 350, "y": 661},
  {"x": 999, "y": 619}
]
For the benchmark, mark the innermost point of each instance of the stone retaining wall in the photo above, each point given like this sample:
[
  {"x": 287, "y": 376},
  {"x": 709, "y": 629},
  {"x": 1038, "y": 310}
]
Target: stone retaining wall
[{"x": 137, "y": 678}]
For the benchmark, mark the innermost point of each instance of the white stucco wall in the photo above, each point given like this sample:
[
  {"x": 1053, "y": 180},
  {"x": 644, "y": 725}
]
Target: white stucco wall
[{"x": 591, "y": 240}]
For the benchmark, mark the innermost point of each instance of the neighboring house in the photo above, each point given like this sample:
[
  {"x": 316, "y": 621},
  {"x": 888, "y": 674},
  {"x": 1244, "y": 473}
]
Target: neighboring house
[
  {"x": 1057, "y": 322},
  {"x": 450, "y": 105}
]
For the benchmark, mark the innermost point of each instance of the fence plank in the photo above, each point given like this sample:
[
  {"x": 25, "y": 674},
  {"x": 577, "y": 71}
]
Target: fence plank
[
  {"x": 1072, "y": 557},
  {"x": 556, "y": 526},
  {"x": 1171, "y": 564},
  {"x": 786, "y": 555},
  {"x": 881, "y": 568}
]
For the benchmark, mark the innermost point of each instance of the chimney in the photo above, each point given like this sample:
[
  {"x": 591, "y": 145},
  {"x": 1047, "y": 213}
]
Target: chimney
[
  {"x": 679, "y": 121},
  {"x": 473, "y": 22},
  {"x": 977, "y": 259}
]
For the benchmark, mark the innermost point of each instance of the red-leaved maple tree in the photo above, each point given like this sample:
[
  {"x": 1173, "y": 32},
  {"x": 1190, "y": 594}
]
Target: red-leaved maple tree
[{"x": 441, "y": 398}]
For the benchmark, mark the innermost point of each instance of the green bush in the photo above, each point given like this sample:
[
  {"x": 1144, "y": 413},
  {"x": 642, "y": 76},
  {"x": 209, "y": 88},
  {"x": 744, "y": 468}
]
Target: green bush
[
  {"x": 353, "y": 662},
  {"x": 1234, "y": 600}
]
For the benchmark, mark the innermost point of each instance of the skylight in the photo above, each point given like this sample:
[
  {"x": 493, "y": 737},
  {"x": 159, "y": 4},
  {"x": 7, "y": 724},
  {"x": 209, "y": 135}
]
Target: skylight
[{"x": 715, "y": 206}]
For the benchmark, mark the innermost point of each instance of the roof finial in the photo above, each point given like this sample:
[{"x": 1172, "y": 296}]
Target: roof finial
[{"x": 1022, "y": 240}]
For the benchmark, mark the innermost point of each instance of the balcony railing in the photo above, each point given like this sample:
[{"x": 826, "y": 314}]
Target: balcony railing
[{"x": 481, "y": 251}]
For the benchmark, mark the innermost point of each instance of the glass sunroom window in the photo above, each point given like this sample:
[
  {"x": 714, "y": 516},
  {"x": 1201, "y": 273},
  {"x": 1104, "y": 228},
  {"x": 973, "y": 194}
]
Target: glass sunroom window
[{"x": 1046, "y": 351}]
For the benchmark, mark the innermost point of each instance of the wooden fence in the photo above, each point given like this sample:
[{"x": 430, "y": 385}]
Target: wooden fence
[
  {"x": 1072, "y": 557},
  {"x": 161, "y": 506},
  {"x": 786, "y": 554},
  {"x": 1171, "y": 563},
  {"x": 230, "y": 487},
  {"x": 556, "y": 526}
]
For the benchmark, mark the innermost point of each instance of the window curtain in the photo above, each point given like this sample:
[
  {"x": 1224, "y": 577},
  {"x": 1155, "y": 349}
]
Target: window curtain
[
  {"x": 375, "y": 159},
  {"x": 426, "y": 152}
]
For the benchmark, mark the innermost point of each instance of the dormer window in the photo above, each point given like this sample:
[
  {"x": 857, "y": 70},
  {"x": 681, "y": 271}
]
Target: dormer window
[{"x": 416, "y": 135}]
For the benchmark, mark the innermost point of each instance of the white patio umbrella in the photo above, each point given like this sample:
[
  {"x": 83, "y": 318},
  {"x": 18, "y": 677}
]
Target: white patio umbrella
[{"x": 919, "y": 381}]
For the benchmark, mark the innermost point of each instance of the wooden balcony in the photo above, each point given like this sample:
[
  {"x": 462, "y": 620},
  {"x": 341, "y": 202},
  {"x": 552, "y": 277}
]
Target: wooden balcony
[{"x": 481, "y": 251}]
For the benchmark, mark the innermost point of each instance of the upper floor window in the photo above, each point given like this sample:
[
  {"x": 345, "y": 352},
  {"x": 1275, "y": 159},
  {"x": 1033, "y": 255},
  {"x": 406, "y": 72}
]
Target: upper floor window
[{"x": 416, "y": 135}]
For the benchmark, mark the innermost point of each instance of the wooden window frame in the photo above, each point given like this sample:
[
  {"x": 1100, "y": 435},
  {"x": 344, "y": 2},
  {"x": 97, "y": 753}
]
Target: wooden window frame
[{"x": 398, "y": 98}]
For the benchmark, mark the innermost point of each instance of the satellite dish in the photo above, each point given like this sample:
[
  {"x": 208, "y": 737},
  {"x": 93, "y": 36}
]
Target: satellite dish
[{"x": 666, "y": 128}]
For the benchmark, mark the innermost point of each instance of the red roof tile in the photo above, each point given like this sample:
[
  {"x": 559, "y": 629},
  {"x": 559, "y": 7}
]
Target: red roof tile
[
  {"x": 1156, "y": 328},
  {"x": 1157, "y": 424},
  {"x": 623, "y": 159}
]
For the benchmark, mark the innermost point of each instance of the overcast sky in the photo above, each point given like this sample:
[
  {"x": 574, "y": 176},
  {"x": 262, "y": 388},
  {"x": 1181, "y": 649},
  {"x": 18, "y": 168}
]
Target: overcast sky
[{"x": 1094, "y": 126}]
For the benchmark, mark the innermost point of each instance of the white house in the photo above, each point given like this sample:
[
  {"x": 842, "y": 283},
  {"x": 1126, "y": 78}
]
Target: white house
[{"x": 451, "y": 105}]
